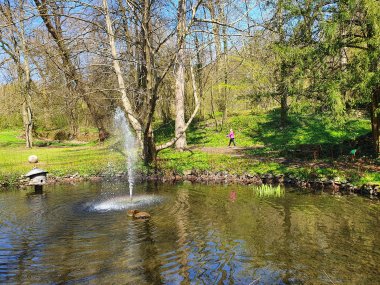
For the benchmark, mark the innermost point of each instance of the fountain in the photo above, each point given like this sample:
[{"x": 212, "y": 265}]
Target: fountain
[
  {"x": 130, "y": 149},
  {"x": 123, "y": 131}
]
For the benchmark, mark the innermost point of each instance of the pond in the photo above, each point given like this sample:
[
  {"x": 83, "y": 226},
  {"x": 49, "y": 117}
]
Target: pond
[{"x": 198, "y": 234}]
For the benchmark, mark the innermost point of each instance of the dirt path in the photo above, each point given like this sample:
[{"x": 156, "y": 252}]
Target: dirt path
[{"x": 234, "y": 151}]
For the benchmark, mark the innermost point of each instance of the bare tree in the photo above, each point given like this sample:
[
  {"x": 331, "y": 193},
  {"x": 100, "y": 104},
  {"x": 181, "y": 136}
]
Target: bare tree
[
  {"x": 180, "y": 77},
  {"x": 51, "y": 13},
  {"x": 151, "y": 77},
  {"x": 13, "y": 42}
]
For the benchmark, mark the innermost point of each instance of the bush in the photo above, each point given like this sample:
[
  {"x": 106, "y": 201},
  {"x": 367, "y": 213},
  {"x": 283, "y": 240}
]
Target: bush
[{"x": 62, "y": 135}]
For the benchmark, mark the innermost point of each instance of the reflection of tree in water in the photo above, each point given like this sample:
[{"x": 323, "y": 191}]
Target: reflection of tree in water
[
  {"x": 26, "y": 242},
  {"x": 197, "y": 235},
  {"x": 142, "y": 258},
  {"x": 149, "y": 253},
  {"x": 205, "y": 253},
  {"x": 318, "y": 234},
  {"x": 182, "y": 206}
]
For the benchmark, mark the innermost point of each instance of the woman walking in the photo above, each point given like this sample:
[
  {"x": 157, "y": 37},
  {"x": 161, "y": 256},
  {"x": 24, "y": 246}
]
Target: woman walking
[{"x": 231, "y": 135}]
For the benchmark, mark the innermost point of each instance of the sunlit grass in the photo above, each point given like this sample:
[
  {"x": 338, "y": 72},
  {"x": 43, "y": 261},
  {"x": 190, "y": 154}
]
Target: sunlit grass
[
  {"x": 268, "y": 190},
  {"x": 259, "y": 131},
  {"x": 59, "y": 161},
  {"x": 264, "y": 130}
]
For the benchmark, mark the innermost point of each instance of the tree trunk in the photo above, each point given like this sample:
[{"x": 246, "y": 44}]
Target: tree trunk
[
  {"x": 284, "y": 109},
  {"x": 375, "y": 120},
  {"x": 180, "y": 79},
  {"x": 27, "y": 114},
  {"x": 218, "y": 48},
  {"x": 283, "y": 90},
  {"x": 225, "y": 64},
  {"x": 132, "y": 118},
  {"x": 149, "y": 147},
  {"x": 283, "y": 97},
  {"x": 375, "y": 100},
  {"x": 71, "y": 106},
  {"x": 19, "y": 54},
  {"x": 199, "y": 79},
  {"x": 73, "y": 77}
]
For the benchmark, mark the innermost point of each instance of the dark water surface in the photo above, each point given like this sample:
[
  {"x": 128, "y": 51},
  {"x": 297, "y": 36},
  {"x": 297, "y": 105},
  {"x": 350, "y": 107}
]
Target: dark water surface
[{"x": 198, "y": 234}]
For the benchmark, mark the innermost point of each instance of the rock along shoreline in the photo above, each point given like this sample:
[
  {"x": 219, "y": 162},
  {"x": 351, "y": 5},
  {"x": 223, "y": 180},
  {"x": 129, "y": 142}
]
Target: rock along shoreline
[{"x": 223, "y": 177}]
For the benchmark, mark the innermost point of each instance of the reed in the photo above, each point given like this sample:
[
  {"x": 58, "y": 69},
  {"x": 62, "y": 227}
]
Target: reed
[{"x": 266, "y": 190}]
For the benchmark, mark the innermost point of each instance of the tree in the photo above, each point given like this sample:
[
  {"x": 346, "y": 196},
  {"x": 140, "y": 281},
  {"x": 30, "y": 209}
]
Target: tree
[
  {"x": 13, "y": 42},
  {"x": 361, "y": 19},
  {"x": 51, "y": 13},
  {"x": 180, "y": 77},
  {"x": 141, "y": 115}
]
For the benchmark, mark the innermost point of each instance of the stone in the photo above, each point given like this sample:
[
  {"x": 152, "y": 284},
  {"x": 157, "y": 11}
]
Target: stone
[
  {"x": 33, "y": 159},
  {"x": 141, "y": 215},
  {"x": 279, "y": 178},
  {"x": 178, "y": 178}
]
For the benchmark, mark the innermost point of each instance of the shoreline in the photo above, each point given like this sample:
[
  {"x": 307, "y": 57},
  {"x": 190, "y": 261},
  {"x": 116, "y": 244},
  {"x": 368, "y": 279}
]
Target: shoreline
[{"x": 206, "y": 177}]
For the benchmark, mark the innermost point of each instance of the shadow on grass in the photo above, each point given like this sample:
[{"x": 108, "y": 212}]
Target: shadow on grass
[
  {"x": 196, "y": 133},
  {"x": 310, "y": 136},
  {"x": 299, "y": 131}
]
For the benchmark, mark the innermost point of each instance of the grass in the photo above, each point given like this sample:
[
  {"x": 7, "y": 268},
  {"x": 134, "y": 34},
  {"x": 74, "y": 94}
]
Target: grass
[
  {"x": 268, "y": 191},
  {"x": 264, "y": 138},
  {"x": 264, "y": 130},
  {"x": 260, "y": 133},
  {"x": 59, "y": 159}
]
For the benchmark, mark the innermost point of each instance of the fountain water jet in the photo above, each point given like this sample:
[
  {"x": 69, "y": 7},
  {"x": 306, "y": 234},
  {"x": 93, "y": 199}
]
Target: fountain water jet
[
  {"x": 130, "y": 149},
  {"x": 123, "y": 130}
]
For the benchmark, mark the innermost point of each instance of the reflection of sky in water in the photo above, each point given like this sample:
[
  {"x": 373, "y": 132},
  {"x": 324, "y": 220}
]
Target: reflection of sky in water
[{"x": 196, "y": 235}]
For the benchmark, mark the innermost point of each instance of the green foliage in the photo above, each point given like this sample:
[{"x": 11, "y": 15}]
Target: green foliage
[
  {"x": 10, "y": 121},
  {"x": 369, "y": 178},
  {"x": 268, "y": 191}
]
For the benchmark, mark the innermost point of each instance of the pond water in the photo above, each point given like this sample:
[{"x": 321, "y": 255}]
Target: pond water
[{"x": 198, "y": 234}]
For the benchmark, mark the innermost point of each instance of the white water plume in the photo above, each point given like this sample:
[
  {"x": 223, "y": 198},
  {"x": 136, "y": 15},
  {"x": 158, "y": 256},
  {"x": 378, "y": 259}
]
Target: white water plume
[
  {"x": 129, "y": 143},
  {"x": 124, "y": 203}
]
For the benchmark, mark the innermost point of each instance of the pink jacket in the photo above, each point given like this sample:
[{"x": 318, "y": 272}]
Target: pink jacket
[{"x": 231, "y": 135}]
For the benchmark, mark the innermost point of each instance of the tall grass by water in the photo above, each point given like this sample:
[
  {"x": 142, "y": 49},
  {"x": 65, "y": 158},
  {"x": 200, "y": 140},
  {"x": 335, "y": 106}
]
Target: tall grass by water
[{"x": 266, "y": 190}]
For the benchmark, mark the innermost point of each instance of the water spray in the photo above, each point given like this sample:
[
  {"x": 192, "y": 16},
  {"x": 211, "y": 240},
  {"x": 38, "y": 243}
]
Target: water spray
[{"x": 123, "y": 130}]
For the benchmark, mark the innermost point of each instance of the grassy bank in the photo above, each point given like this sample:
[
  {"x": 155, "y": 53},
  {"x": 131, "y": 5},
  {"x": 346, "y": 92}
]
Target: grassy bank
[
  {"x": 262, "y": 147},
  {"x": 58, "y": 158}
]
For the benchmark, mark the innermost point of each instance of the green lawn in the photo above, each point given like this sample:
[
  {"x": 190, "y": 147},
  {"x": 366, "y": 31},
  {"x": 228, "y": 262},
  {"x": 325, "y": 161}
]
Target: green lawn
[
  {"x": 264, "y": 130},
  {"x": 59, "y": 159},
  {"x": 259, "y": 132},
  {"x": 263, "y": 136}
]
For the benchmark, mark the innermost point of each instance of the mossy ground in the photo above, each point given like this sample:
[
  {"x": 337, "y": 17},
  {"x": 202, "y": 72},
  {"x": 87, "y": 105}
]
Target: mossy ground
[{"x": 260, "y": 149}]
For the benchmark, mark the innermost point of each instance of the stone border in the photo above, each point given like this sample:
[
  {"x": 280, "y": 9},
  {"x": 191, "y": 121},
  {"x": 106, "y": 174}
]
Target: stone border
[
  {"x": 223, "y": 177},
  {"x": 329, "y": 186}
]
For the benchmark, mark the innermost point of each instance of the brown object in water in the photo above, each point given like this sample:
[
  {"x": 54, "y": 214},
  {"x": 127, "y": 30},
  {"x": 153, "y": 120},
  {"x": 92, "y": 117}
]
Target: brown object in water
[
  {"x": 131, "y": 213},
  {"x": 141, "y": 215}
]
